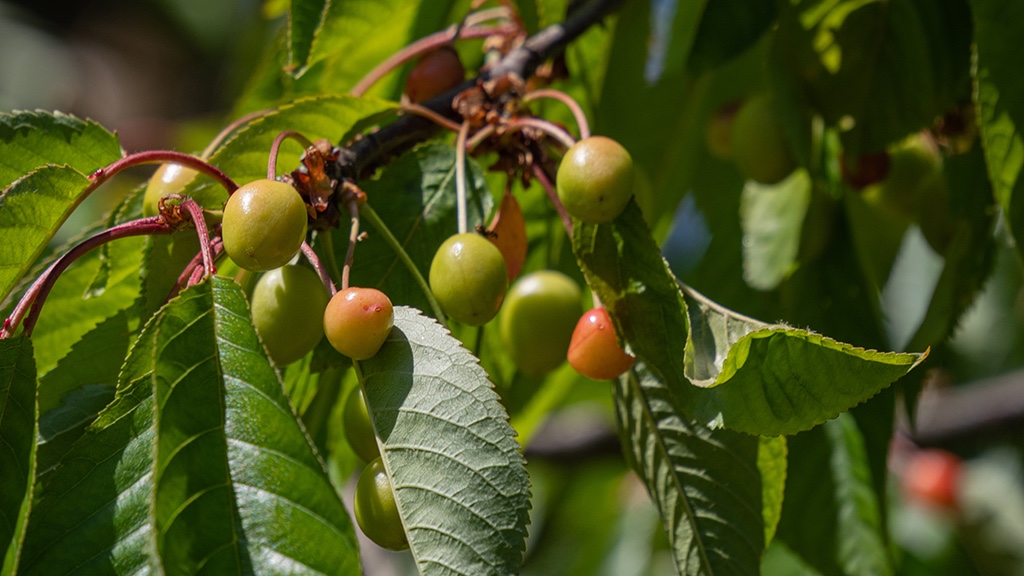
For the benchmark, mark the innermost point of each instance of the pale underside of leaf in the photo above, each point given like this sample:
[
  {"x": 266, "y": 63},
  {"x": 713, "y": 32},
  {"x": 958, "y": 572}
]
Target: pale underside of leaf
[{"x": 459, "y": 479}]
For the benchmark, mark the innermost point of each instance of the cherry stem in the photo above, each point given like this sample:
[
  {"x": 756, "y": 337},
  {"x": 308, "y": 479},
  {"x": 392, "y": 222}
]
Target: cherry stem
[
  {"x": 229, "y": 130},
  {"x": 552, "y": 193},
  {"x": 196, "y": 212},
  {"x": 424, "y": 45},
  {"x": 160, "y": 157},
  {"x": 325, "y": 239},
  {"x": 481, "y": 135},
  {"x": 32, "y": 301},
  {"x": 185, "y": 278},
  {"x": 460, "y": 177},
  {"x": 276, "y": 147},
  {"x": 353, "y": 237},
  {"x": 374, "y": 219},
  {"x": 563, "y": 137},
  {"x": 321, "y": 270},
  {"x": 574, "y": 107},
  {"x": 429, "y": 115}
]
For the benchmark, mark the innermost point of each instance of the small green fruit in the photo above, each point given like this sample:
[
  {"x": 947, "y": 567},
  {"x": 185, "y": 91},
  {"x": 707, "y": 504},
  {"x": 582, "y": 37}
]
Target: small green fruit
[
  {"x": 358, "y": 428},
  {"x": 759, "y": 144},
  {"x": 376, "y": 509},
  {"x": 287, "y": 310},
  {"x": 469, "y": 278},
  {"x": 537, "y": 320},
  {"x": 169, "y": 178},
  {"x": 595, "y": 180},
  {"x": 264, "y": 225}
]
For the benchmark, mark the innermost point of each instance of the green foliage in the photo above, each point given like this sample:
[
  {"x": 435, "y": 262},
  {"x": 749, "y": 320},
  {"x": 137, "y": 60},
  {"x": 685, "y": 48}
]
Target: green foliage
[
  {"x": 142, "y": 432},
  {"x": 458, "y": 477}
]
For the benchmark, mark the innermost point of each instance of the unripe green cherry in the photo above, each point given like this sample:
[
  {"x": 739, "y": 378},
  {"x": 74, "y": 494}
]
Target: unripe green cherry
[
  {"x": 169, "y": 178},
  {"x": 358, "y": 428},
  {"x": 287, "y": 310},
  {"x": 358, "y": 320},
  {"x": 264, "y": 225},
  {"x": 468, "y": 277},
  {"x": 537, "y": 320},
  {"x": 376, "y": 510},
  {"x": 594, "y": 351},
  {"x": 759, "y": 145},
  {"x": 595, "y": 180}
]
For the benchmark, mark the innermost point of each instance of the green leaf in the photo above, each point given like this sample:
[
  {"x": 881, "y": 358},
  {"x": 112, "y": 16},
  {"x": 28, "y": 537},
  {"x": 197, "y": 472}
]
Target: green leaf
[
  {"x": 706, "y": 483},
  {"x": 747, "y": 376},
  {"x": 891, "y": 66},
  {"x": 237, "y": 485},
  {"x": 773, "y": 218},
  {"x": 303, "y": 21},
  {"x": 31, "y": 140},
  {"x": 18, "y": 433},
  {"x": 771, "y": 379},
  {"x": 1000, "y": 98},
  {"x": 244, "y": 156},
  {"x": 31, "y": 210},
  {"x": 728, "y": 27},
  {"x": 199, "y": 449},
  {"x": 846, "y": 534},
  {"x": 93, "y": 513},
  {"x": 79, "y": 387},
  {"x": 459, "y": 479},
  {"x": 415, "y": 196}
]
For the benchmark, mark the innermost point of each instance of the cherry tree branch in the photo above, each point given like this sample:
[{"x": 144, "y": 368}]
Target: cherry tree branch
[{"x": 366, "y": 155}]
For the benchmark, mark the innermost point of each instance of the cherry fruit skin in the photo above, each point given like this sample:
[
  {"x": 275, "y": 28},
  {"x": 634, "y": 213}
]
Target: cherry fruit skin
[
  {"x": 933, "y": 477},
  {"x": 288, "y": 306},
  {"x": 718, "y": 131},
  {"x": 358, "y": 320},
  {"x": 594, "y": 350},
  {"x": 468, "y": 278},
  {"x": 376, "y": 509},
  {"x": 595, "y": 180},
  {"x": 358, "y": 428},
  {"x": 759, "y": 145},
  {"x": 537, "y": 320},
  {"x": 435, "y": 73},
  {"x": 169, "y": 178},
  {"x": 264, "y": 225}
]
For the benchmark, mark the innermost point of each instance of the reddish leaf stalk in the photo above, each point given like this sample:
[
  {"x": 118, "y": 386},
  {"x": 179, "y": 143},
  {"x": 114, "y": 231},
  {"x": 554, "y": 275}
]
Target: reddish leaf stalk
[
  {"x": 549, "y": 188},
  {"x": 31, "y": 303},
  {"x": 184, "y": 279},
  {"x": 196, "y": 212},
  {"x": 276, "y": 146},
  {"x": 429, "y": 115},
  {"x": 321, "y": 270},
  {"x": 574, "y": 107},
  {"x": 563, "y": 137},
  {"x": 460, "y": 178},
  {"x": 159, "y": 157}
]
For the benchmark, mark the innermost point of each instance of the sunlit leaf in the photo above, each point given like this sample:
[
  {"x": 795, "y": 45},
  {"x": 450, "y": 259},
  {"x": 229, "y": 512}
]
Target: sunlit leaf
[
  {"x": 773, "y": 218},
  {"x": 31, "y": 140},
  {"x": 18, "y": 433},
  {"x": 459, "y": 479}
]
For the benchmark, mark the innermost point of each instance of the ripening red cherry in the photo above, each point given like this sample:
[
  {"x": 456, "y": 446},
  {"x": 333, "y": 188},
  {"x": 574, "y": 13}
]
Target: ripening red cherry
[
  {"x": 358, "y": 320},
  {"x": 594, "y": 350},
  {"x": 864, "y": 170},
  {"x": 434, "y": 74},
  {"x": 933, "y": 477}
]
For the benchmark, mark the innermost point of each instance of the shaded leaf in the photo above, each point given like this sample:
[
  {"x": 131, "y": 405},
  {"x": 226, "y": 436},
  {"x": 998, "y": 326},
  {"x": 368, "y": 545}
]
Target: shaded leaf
[
  {"x": 706, "y": 483},
  {"x": 846, "y": 536},
  {"x": 18, "y": 433},
  {"x": 415, "y": 196},
  {"x": 459, "y": 479},
  {"x": 728, "y": 27},
  {"x": 79, "y": 387},
  {"x": 773, "y": 218},
  {"x": 1000, "y": 99},
  {"x": 304, "y": 18}
]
